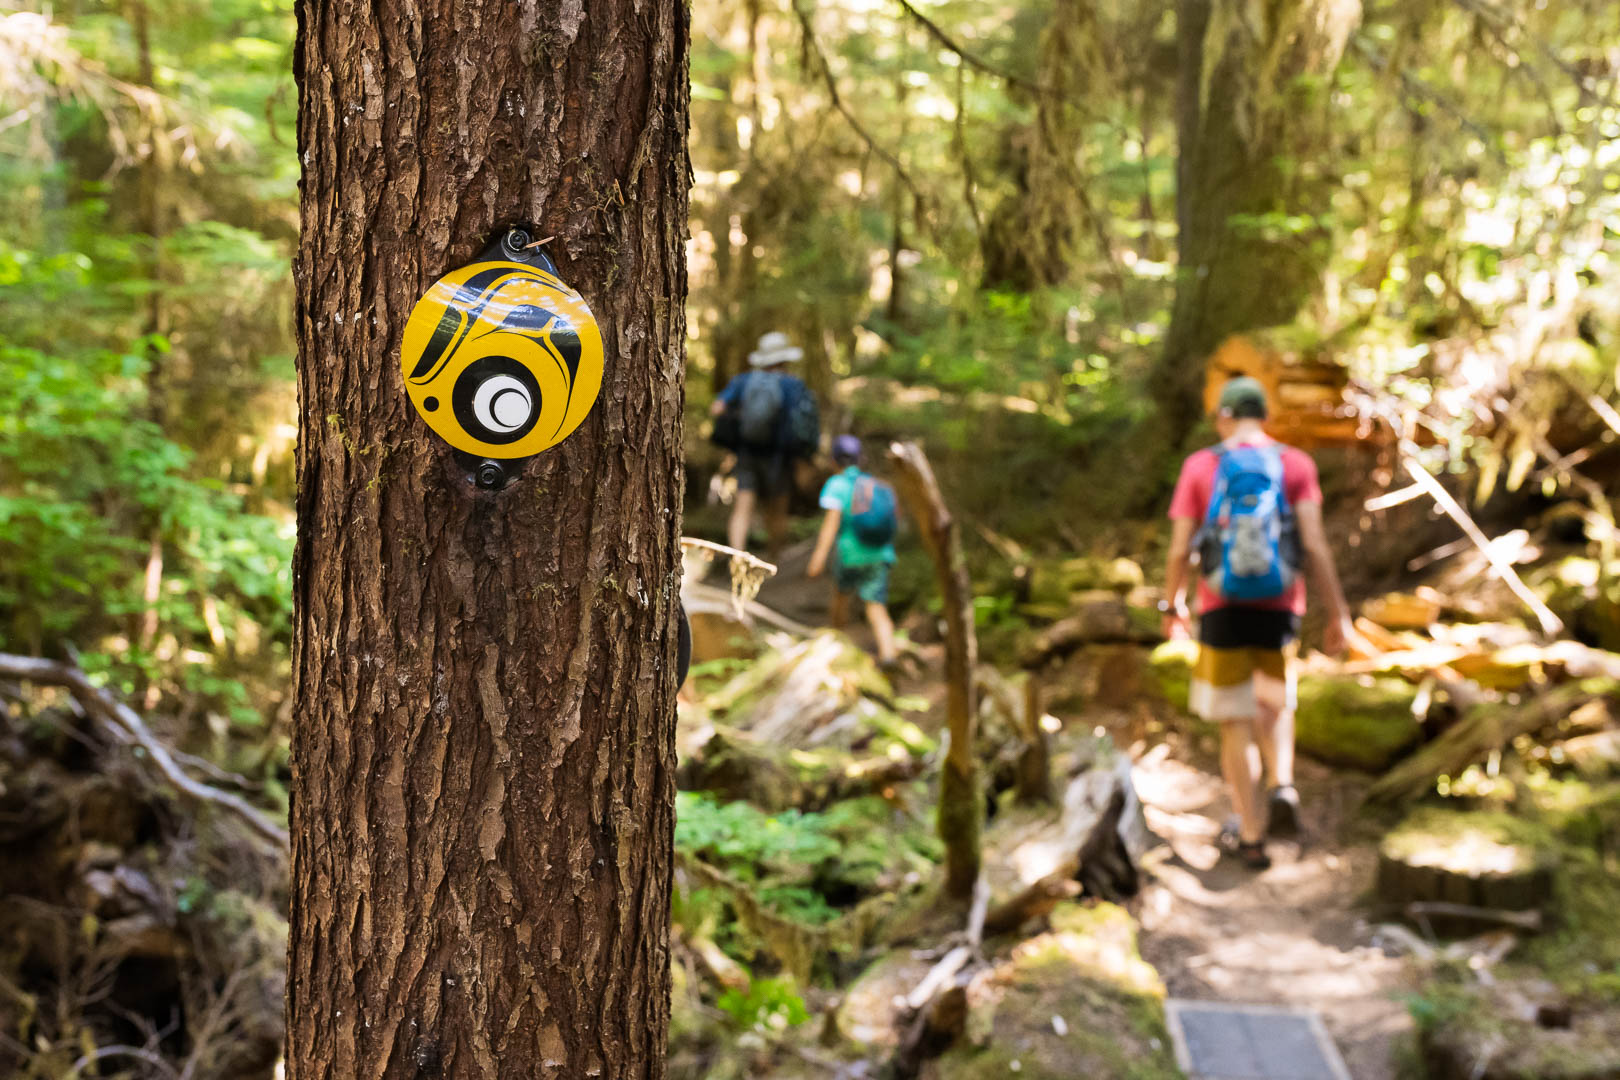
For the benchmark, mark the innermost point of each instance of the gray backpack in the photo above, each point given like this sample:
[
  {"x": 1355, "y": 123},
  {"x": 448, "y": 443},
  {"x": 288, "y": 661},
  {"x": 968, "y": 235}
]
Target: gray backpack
[{"x": 759, "y": 414}]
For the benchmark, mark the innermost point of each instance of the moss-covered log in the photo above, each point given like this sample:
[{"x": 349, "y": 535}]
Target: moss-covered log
[{"x": 1485, "y": 729}]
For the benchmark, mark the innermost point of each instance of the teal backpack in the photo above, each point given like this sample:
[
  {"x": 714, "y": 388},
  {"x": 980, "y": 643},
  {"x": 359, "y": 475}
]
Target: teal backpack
[{"x": 873, "y": 512}]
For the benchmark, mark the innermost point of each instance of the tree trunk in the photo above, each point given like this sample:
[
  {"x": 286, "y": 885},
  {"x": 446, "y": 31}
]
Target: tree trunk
[
  {"x": 961, "y": 806},
  {"x": 483, "y": 760},
  {"x": 1252, "y": 177}
]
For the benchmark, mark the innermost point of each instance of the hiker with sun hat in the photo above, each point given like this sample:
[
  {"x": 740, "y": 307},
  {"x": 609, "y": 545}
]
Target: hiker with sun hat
[{"x": 768, "y": 419}]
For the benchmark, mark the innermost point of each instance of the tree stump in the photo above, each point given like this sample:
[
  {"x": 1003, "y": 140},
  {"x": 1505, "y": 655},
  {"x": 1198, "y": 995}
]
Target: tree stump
[{"x": 1479, "y": 860}]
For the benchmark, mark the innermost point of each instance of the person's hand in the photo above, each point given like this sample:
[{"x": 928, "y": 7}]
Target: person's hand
[
  {"x": 815, "y": 568},
  {"x": 1175, "y": 626},
  {"x": 717, "y": 407},
  {"x": 1338, "y": 635}
]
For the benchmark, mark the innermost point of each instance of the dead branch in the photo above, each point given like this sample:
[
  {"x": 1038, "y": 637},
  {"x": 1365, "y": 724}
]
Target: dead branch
[
  {"x": 101, "y": 1053},
  {"x": 123, "y": 723},
  {"x": 1550, "y": 624},
  {"x": 1419, "y": 911},
  {"x": 961, "y": 808},
  {"x": 700, "y": 598}
]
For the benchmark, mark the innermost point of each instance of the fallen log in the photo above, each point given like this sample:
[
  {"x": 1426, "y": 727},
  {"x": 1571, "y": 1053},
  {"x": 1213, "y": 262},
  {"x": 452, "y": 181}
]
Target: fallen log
[
  {"x": 1482, "y": 731},
  {"x": 1036, "y": 901},
  {"x": 1099, "y": 618},
  {"x": 735, "y": 765}
]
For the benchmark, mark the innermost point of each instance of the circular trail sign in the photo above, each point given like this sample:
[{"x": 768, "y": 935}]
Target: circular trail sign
[{"x": 501, "y": 358}]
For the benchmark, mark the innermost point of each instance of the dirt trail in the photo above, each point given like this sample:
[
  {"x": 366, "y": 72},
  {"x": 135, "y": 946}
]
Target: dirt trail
[
  {"x": 1293, "y": 935},
  {"x": 1290, "y": 936}
]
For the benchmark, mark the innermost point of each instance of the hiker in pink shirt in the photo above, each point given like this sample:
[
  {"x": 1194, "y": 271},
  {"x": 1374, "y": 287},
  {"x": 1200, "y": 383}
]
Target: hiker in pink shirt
[{"x": 1251, "y": 509}]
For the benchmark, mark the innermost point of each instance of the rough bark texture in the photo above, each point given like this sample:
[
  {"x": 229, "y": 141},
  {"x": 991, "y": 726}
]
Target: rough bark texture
[
  {"x": 961, "y": 807},
  {"x": 483, "y": 795},
  {"x": 1254, "y": 123}
]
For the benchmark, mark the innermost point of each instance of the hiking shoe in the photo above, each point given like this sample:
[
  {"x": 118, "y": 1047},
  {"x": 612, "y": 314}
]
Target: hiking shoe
[
  {"x": 1231, "y": 835},
  {"x": 1283, "y": 811},
  {"x": 1253, "y": 856}
]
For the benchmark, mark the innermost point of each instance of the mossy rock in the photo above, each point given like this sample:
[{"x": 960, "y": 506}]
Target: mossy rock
[
  {"x": 1358, "y": 723},
  {"x": 1087, "y": 973},
  {"x": 1055, "y": 583},
  {"x": 1172, "y": 665}
]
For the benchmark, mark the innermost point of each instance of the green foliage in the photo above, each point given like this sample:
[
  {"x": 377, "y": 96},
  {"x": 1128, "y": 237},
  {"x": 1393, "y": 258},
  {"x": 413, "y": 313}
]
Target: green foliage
[
  {"x": 767, "y": 1004},
  {"x": 804, "y": 866},
  {"x": 747, "y": 841},
  {"x": 87, "y": 484}
]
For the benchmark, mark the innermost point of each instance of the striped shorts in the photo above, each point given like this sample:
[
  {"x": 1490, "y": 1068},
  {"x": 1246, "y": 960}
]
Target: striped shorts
[{"x": 1245, "y": 661}]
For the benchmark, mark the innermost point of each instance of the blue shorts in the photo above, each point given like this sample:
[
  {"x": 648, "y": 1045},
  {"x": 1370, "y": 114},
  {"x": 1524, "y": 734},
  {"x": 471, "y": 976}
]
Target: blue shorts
[
  {"x": 766, "y": 474},
  {"x": 869, "y": 582}
]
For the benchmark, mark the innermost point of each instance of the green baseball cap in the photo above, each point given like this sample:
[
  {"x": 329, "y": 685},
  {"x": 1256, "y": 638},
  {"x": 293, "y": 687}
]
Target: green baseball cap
[{"x": 1243, "y": 397}]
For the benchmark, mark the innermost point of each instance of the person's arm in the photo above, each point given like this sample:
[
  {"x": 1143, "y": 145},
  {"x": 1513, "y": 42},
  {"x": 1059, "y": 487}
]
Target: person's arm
[
  {"x": 726, "y": 398},
  {"x": 1324, "y": 576},
  {"x": 1175, "y": 576},
  {"x": 824, "y": 543}
]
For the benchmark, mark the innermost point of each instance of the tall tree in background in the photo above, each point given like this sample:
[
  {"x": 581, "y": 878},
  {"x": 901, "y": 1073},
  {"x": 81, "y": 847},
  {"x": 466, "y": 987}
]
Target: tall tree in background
[
  {"x": 1253, "y": 178},
  {"x": 483, "y": 761}
]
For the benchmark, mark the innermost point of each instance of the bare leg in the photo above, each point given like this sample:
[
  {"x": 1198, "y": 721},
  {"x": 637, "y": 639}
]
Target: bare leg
[
  {"x": 1274, "y": 728},
  {"x": 838, "y": 615},
  {"x": 1240, "y": 765},
  {"x": 1274, "y": 731},
  {"x": 776, "y": 524},
  {"x": 742, "y": 515},
  {"x": 882, "y": 629}
]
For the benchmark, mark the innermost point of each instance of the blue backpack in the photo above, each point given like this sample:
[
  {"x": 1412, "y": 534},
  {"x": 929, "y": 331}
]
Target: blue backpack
[
  {"x": 1248, "y": 544},
  {"x": 872, "y": 514}
]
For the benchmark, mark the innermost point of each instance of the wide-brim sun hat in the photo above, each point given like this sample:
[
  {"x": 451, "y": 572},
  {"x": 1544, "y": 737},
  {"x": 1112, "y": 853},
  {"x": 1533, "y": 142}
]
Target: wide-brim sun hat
[{"x": 775, "y": 348}]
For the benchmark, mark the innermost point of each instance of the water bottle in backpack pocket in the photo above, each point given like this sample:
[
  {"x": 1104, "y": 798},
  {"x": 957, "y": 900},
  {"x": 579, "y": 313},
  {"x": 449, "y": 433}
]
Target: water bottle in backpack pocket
[
  {"x": 1248, "y": 545},
  {"x": 872, "y": 513},
  {"x": 759, "y": 413}
]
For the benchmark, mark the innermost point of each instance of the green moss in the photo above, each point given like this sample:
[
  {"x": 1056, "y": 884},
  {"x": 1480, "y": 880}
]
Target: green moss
[
  {"x": 1087, "y": 972},
  {"x": 1172, "y": 664},
  {"x": 1459, "y": 1020},
  {"x": 1361, "y": 724},
  {"x": 1435, "y": 835}
]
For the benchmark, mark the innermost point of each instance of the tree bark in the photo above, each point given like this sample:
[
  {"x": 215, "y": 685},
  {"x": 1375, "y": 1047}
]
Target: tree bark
[
  {"x": 1252, "y": 177},
  {"x": 961, "y": 807},
  {"x": 483, "y": 759}
]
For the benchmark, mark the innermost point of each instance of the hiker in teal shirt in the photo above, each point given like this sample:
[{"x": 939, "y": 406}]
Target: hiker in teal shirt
[{"x": 861, "y": 520}]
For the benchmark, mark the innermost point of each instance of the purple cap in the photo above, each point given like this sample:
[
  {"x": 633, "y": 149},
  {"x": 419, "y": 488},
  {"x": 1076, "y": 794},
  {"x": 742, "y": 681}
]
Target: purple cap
[{"x": 846, "y": 448}]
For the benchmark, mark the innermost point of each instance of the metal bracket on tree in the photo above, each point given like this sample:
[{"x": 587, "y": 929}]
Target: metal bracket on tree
[{"x": 502, "y": 359}]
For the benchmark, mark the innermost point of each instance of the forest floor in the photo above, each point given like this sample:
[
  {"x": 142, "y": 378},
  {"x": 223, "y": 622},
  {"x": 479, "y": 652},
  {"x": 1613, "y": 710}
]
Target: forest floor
[{"x": 1295, "y": 935}]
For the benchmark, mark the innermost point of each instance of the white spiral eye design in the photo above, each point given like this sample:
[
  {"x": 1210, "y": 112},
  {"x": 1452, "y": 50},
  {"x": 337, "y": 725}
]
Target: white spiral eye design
[{"x": 502, "y": 404}]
